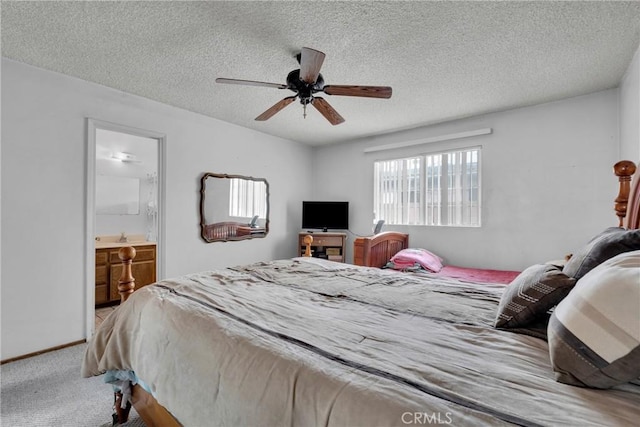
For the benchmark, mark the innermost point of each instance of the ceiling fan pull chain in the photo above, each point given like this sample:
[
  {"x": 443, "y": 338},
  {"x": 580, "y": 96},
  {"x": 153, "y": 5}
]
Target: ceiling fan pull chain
[{"x": 304, "y": 111}]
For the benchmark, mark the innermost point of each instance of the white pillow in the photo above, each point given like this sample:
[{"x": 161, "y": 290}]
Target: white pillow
[{"x": 594, "y": 333}]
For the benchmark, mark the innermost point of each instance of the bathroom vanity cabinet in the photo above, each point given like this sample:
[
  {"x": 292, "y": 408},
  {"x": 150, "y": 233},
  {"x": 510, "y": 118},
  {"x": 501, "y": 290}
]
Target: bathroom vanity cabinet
[{"x": 109, "y": 269}]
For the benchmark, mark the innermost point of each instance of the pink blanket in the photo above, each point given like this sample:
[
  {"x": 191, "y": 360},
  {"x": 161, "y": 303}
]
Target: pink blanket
[{"x": 478, "y": 275}]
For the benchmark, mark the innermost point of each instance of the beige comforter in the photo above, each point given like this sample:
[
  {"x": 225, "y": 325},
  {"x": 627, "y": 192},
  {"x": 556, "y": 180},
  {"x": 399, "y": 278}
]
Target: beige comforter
[{"x": 306, "y": 342}]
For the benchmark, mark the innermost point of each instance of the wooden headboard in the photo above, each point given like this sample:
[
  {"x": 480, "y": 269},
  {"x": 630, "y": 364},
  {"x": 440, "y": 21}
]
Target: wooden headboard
[{"x": 376, "y": 251}]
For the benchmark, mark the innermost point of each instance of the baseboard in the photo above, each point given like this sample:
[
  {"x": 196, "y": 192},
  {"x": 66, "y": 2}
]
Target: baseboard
[{"x": 36, "y": 353}]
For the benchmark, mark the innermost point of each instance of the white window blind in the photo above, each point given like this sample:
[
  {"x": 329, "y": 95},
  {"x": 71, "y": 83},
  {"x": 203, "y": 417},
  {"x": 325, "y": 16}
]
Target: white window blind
[
  {"x": 434, "y": 189},
  {"x": 247, "y": 198}
]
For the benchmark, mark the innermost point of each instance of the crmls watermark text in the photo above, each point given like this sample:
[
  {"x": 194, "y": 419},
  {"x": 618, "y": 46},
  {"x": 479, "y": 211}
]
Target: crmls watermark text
[{"x": 424, "y": 418}]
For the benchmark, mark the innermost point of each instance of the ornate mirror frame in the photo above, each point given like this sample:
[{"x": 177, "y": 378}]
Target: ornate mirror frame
[{"x": 229, "y": 229}]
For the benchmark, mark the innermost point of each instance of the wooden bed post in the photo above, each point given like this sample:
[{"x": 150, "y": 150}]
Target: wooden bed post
[
  {"x": 127, "y": 283},
  {"x": 120, "y": 415},
  {"x": 623, "y": 170},
  {"x": 307, "y": 243},
  {"x": 147, "y": 407}
]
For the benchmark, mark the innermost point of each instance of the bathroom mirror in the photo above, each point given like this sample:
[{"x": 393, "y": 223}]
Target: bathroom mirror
[
  {"x": 117, "y": 195},
  {"x": 233, "y": 207}
]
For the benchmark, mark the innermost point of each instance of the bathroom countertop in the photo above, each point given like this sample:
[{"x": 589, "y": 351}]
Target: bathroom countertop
[
  {"x": 103, "y": 245},
  {"x": 105, "y": 242}
]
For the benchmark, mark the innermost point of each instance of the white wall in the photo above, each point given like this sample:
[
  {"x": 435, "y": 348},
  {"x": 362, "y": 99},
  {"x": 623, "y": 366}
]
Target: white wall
[
  {"x": 630, "y": 111},
  {"x": 43, "y": 195},
  {"x": 555, "y": 159},
  {"x": 547, "y": 181}
]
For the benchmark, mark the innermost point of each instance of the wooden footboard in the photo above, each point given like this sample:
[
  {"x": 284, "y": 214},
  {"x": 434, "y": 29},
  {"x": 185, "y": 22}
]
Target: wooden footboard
[{"x": 376, "y": 251}]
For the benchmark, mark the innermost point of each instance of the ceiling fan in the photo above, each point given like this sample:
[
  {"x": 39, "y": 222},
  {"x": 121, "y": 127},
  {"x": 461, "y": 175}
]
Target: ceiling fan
[{"x": 306, "y": 82}]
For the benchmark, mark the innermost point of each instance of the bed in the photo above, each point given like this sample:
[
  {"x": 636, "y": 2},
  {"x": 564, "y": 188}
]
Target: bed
[
  {"x": 313, "y": 342},
  {"x": 378, "y": 250},
  {"x": 229, "y": 230}
]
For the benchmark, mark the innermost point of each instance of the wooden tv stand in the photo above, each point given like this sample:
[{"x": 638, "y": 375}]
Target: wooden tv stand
[{"x": 330, "y": 246}]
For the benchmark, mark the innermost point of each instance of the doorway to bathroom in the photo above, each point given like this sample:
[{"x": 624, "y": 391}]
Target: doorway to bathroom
[{"x": 124, "y": 208}]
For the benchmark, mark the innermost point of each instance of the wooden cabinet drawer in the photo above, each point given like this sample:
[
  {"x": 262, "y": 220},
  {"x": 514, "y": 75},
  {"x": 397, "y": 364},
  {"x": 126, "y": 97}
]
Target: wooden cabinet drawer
[
  {"x": 143, "y": 253},
  {"x": 101, "y": 275},
  {"x": 326, "y": 241},
  {"x": 109, "y": 270},
  {"x": 101, "y": 257}
]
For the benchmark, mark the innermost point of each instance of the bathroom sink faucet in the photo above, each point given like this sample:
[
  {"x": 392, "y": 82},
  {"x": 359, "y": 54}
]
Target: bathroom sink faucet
[{"x": 123, "y": 238}]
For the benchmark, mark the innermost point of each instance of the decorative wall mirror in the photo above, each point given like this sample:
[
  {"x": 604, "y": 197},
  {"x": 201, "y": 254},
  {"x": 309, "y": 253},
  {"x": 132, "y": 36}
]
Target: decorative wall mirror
[{"x": 233, "y": 207}]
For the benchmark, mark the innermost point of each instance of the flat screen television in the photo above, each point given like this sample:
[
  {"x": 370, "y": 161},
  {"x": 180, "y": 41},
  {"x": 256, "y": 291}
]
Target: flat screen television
[{"x": 325, "y": 215}]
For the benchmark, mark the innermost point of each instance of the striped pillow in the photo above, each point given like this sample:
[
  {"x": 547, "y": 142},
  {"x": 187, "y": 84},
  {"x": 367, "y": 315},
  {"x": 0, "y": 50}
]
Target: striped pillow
[
  {"x": 594, "y": 333},
  {"x": 530, "y": 295}
]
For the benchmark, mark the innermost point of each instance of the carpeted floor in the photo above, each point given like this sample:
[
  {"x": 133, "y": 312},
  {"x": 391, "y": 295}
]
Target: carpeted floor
[{"x": 48, "y": 391}]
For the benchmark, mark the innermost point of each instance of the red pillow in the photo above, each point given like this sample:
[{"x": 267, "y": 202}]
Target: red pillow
[{"x": 409, "y": 257}]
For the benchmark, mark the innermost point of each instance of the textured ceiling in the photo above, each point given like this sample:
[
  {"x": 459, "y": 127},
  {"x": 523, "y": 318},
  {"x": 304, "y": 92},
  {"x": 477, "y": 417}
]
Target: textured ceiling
[{"x": 444, "y": 60}]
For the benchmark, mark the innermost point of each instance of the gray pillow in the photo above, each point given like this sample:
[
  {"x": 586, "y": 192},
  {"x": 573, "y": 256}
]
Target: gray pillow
[
  {"x": 609, "y": 243},
  {"x": 531, "y": 295},
  {"x": 594, "y": 334}
]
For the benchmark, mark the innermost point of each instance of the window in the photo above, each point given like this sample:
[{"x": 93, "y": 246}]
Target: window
[
  {"x": 247, "y": 198},
  {"x": 433, "y": 189}
]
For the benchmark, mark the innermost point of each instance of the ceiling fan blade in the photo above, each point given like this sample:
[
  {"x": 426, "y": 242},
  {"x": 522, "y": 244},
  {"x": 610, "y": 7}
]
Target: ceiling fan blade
[
  {"x": 310, "y": 62},
  {"x": 250, "y": 83},
  {"x": 364, "y": 91},
  {"x": 327, "y": 111},
  {"x": 275, "y": 108}
]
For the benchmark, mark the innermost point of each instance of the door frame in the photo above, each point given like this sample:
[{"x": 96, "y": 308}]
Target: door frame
[{"x": 90, "y": 269}]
